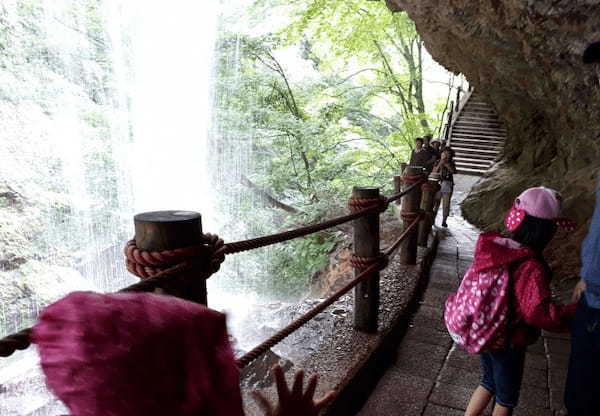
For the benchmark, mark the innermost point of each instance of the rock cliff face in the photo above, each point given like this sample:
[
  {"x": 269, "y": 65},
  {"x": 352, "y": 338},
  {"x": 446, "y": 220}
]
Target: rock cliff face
[{"x": 526, "y": 56}]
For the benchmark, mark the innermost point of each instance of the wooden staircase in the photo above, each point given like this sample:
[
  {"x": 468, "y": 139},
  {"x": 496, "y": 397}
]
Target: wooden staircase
[{"x": 476, "y": 135}]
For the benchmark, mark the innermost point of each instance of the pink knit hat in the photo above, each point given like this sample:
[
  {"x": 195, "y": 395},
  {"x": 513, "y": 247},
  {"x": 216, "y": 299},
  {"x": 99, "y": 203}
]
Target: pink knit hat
[
  {"x": 137, "y": 355},
  {"x": 539, "y": 202}
]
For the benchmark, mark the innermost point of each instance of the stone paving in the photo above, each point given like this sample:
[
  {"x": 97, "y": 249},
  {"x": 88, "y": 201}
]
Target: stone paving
[{"x": 432, "y": 376}]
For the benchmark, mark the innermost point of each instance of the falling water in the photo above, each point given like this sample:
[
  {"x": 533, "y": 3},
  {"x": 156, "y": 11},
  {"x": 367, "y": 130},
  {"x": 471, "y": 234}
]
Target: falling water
[{"x": 105, "y": 111}]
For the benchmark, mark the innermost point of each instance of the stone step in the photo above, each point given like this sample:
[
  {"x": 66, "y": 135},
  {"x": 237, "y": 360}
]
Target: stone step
[
  {"x": 490, "y": 117},
  {"x": 475, "y": 119},
  {"x": 476, "y": 153},
  {"x": 476, "y": 141},
  {"x": 473, "y": 168},
  {"x": 477, "y": 110},
  {"x": 475, "y": 136},
  {"x": 480, "y": 122},
  {"x": 465, "y": 161},
  {"x": 483, "y": 158},
  {"x": 472, "y": 131},
  {"x": 479, "y": 129},
  {"x": 479, "y": 104},
  {"x": 470, "y": 146},
  {"x": 470, "y": 171},
  {"x": 479, "y": 126}
]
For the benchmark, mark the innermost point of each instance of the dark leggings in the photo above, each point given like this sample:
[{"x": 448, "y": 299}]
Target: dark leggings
[{"x": 582, "y": 390}]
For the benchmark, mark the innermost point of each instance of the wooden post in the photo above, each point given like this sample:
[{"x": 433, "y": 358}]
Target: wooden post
[
  {"x": 449, "y": 125},
  {"x": 168, "y": 230},
  {"x": 366, "y": 244},
  {"x": 411, "y": 203},
  {"x": 397, "y": 184},
  {"x": 458, "y": 91},
  {"x": 429, "y": 188}
]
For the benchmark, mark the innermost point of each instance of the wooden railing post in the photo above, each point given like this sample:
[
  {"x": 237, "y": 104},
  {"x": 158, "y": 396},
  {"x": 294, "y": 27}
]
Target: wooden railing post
[
  {"x": 411, "y": 203},
  {"x": 429, "y": 188},
  {"x": 458, "y": 91},
  {"x": 366, "y": 244},
  {"x": 449, "y": 125},
  {"x": 168, "y": 230}
]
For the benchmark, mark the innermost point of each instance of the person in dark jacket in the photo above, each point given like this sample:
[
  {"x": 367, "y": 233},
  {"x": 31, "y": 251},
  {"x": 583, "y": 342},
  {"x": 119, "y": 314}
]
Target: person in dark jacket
[
  {"x": 421, "y": 156},
  {"x": 446, "y": 168},
  {"x": 435, "y": 149}
]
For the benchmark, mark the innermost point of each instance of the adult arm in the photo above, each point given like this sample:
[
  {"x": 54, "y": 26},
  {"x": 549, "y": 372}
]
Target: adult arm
[
  {"x": 451, "y": 166},
  {"x": 590, "y": 255},
  {"x": 534, "y": 299}
]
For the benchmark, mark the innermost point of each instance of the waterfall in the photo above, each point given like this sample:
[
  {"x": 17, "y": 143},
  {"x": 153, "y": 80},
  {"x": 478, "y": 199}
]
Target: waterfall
[{"x": 105, "y": 108}]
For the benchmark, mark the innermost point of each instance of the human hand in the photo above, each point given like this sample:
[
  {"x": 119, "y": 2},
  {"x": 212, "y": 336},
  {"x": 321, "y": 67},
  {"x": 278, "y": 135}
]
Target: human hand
[
  {"x": 294, "y": 402},
  {"x": 578, "y": 291}
]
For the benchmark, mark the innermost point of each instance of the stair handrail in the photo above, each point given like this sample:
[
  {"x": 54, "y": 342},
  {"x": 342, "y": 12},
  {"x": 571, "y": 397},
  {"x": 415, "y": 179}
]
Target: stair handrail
[{"x": 453, "y": 115}]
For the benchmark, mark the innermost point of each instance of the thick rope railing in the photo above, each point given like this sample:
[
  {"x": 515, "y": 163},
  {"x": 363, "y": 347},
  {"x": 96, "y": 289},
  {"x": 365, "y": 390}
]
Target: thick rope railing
[
  {"x": 252, "y": 355},
  {"x": 391, "y": 250},
  {"x": 157, "y": 268},
  {"x": 376, "y": 264},
  {"x": 381, "y": 205},
  {"x": 21, "y": 340}
]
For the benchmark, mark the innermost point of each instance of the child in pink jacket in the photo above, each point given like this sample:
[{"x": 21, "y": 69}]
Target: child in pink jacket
[
  {"x": 533, "y": 221},
  {"x": 131, "y": 354}
]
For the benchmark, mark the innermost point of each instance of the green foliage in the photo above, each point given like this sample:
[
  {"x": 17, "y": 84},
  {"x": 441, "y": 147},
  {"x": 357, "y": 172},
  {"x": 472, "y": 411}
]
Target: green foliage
[
  {"x": 313, "y": 135},
  {"x": 295, "y": 262}
]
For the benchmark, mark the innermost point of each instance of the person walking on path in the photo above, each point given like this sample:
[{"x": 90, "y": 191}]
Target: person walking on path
[
  {"x": 446, "y": 168},
  {"x": 526, "y": 297}
]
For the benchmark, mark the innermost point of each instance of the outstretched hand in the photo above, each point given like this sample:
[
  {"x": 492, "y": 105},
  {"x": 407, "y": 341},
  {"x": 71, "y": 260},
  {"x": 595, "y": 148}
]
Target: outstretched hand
[{"x": 294, "y": 402}]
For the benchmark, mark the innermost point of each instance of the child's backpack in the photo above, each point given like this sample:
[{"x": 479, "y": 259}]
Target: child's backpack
[{"x": 477, "y": 315}]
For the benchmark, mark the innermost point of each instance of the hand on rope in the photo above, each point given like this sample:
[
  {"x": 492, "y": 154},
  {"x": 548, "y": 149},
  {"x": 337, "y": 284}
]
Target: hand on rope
[{"x": 294, "y": 402}]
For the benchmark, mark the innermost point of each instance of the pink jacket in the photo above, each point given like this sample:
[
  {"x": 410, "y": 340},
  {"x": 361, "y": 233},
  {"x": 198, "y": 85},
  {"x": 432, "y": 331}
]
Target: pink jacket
[
  {"x": 533, "y": 307},
  {"x": 131, "y": 354}
]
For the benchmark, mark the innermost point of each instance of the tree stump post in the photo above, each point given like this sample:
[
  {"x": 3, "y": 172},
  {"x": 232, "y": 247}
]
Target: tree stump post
[
  {"x": 429, "y": 189},
  {"x": 366, "y": 244},
  {"x": 169, "y": 230},
  {"x": 411, "y": 204}
]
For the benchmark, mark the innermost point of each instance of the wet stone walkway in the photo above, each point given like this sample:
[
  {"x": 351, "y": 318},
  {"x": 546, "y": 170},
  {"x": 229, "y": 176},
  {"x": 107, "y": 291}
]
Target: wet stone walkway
[{"x": 432, "y": 376}]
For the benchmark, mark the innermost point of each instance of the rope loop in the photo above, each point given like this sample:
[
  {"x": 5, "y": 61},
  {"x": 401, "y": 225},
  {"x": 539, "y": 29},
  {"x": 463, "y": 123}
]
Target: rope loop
[
  {"x": 406, "y": 178},
  {"x": 362, "y": 263},
  {"x": 411, "y": 215},
  {"x": 429, "y": 186},
  {"x": 356, "y": 204},
  {"x": 146, "y": 264}
]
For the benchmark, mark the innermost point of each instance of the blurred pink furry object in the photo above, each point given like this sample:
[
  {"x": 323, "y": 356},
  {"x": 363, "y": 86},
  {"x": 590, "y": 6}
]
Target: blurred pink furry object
[{"x": 137, "y": 354}]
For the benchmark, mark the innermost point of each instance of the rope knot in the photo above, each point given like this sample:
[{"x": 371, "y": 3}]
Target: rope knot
[
  {"x": 362, "y": 263},
  {"x": 146, "y": 264},
  {"x": 429, "y": 186},
  {"x": 407, "y": 178},
  {"x": 356, "y": 204},
  {"x": 411, "y": 215}
]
